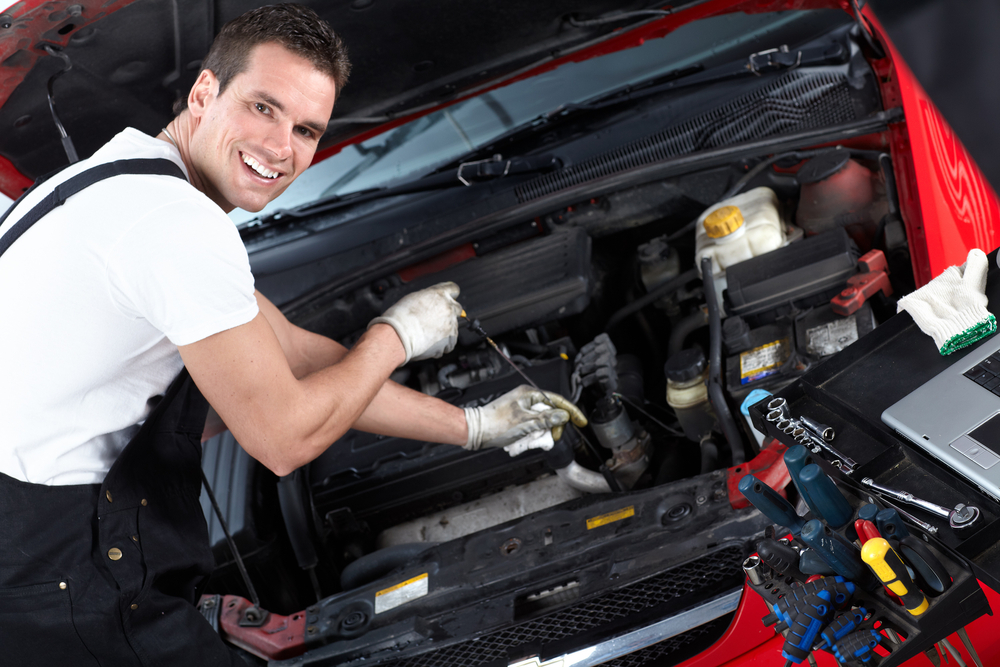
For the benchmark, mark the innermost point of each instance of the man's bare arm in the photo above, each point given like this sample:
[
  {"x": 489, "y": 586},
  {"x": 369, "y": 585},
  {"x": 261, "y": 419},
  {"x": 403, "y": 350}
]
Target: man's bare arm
[
  {"x": 395, "y": 410},
  {"x": 283, "y": 421}
]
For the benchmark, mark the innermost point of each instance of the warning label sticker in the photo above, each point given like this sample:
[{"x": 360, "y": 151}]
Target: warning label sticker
[
  {"x": 832, "y": 337},
  {"x": 411, "y": 589},
  {"x": 611, "y": 517},
  {"x": 764, "y": 360}
]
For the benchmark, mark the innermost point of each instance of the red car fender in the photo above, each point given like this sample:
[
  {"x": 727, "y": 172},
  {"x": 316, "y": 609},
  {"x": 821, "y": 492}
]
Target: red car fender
[
  {"x": 946, "y": 203},
  {"x": 768, "y": 466}
]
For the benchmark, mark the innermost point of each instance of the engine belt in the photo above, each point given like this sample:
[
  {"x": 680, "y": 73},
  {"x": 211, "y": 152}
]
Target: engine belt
[{"x": 73, "y": 185}]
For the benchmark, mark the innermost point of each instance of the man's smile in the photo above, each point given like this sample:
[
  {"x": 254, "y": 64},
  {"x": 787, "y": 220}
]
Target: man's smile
[{"x": 258, "y": 168}]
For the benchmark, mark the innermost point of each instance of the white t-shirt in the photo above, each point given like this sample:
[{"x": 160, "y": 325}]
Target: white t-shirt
[{"x": 94, "y": 300}]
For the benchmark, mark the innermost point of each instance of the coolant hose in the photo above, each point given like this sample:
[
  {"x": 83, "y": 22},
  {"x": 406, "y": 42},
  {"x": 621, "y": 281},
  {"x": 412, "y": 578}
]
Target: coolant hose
[
  {"x": 715, "y": 393},
  {"x": 582, "y": 479},
  {"x": 683, "y": 329},
  {"x": 709, "y": 455},
  {"x": 666, "y": 288},
  {"x": 379, "y": 563}
]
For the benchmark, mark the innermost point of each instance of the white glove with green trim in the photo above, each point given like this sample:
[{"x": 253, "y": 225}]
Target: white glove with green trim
[{"x": 951, "y": 309}]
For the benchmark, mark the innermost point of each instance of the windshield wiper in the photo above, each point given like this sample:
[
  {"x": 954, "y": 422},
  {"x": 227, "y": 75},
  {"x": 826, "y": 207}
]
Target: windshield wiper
[{"x": 466, "y": 174}]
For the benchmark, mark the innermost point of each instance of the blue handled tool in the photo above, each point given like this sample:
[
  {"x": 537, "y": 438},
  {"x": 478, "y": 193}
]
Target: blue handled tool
[
  {"x": 839, "y": 554},
  {"x": 797, "y": 458},
  {"x": 859, "y": 646},
  {"x": 890, "y": 524},
  {"x": 811, "y": 563},
  {"x": 804, "y": 630},
  {"x": 827, "y": 501},
  {"x": 868, "y": 512},
  {"x": 794, "y": 602},
  {"x": 770, "y": 504},
  {"x": 841, "y": 626}
]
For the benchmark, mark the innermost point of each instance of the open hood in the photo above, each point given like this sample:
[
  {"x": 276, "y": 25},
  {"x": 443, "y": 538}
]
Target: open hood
[{"x": 124, "y": 62}]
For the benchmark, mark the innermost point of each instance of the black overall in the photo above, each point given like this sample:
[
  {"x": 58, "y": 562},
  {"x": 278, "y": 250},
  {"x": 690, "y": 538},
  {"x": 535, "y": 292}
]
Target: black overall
[{"x": 107, "y": 574}]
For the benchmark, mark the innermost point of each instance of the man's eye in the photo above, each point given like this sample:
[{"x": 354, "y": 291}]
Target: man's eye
[
  {"x": 306, "y": 132},
  {"x": 262, "y": 107}
]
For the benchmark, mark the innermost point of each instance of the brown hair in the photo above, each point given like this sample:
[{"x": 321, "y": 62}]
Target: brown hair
[{"x": 297, "y": 28}]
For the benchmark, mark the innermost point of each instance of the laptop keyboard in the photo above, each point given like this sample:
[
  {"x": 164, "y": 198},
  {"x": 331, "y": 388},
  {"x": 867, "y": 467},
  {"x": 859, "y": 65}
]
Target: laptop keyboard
[{"x": 987, "y": 373}]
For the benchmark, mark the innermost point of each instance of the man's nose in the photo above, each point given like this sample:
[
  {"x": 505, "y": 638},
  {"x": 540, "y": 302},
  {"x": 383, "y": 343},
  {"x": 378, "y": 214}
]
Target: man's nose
[{"x": 279, "y": 141}]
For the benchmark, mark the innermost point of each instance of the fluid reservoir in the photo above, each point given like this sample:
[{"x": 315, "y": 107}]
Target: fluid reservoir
[
  {"x": 839, "y": 192},
  {"x": 687, "y": 392},
  {"x": 737, "y": 229}
]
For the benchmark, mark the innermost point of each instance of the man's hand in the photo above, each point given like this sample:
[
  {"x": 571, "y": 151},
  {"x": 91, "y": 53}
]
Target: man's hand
[
  {"x": 511, "y": 418},
  {"x": 425, "y": 321}
]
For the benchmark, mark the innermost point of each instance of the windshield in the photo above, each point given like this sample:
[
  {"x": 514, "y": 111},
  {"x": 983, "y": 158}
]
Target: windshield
[{"x": 424, "y": 144}]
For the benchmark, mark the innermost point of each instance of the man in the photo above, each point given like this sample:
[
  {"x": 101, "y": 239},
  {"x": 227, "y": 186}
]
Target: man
[{"x": 104, "y": 544}]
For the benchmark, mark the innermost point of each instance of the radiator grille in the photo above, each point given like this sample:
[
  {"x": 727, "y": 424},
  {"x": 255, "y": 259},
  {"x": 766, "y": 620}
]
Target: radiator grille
[
  {"x": 798, "y": 100},
  {"x": 703, "y": 573}
]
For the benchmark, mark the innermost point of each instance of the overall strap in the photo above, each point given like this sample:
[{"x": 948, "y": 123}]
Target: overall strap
[{"x": 71, "y": 186}]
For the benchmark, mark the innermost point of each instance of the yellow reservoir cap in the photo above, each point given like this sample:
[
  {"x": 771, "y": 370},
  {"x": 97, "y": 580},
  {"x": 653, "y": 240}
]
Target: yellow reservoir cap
[{"x": 723, "y": 221}]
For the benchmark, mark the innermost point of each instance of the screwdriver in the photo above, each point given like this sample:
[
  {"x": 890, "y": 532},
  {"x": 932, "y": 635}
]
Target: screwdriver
[{"x": 889, "y": 568}]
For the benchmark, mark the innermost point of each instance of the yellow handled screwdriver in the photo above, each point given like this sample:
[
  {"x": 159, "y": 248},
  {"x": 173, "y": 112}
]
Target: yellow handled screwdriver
[{"x": 889, "y": 568}]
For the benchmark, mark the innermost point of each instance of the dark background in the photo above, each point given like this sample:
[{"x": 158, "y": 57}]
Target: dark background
[{"x": 953, "y": 48}]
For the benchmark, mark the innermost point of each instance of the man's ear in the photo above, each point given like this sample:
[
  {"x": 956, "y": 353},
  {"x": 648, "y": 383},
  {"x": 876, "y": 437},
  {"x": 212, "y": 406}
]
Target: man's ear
[{"x": 204, "y": 90}]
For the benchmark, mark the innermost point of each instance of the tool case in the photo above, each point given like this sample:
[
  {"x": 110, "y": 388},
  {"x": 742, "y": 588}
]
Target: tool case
[{"x": 848, "y": 392}]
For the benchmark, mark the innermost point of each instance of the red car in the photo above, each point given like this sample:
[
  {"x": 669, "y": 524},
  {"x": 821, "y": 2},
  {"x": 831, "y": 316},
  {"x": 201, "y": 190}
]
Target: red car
[{"x": 569, "y": 165}]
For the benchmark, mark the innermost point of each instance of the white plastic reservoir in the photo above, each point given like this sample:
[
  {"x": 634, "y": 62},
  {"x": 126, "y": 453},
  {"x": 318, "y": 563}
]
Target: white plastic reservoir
[{"x": 737, "y": 229}]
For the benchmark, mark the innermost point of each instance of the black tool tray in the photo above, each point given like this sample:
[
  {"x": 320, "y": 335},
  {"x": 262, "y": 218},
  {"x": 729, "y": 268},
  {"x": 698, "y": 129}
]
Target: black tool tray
[{"x": 849, "y": 391}]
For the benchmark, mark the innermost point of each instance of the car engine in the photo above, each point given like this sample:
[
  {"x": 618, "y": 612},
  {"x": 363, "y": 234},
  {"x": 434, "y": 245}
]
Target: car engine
[{"x": 604, "y": 301}]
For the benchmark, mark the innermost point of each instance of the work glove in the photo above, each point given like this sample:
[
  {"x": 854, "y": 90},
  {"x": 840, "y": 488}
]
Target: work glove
[
  {"x": 425, "y": 321},
  {"x": 951, "y": 309},
  {"x": 520, "y": 419}
]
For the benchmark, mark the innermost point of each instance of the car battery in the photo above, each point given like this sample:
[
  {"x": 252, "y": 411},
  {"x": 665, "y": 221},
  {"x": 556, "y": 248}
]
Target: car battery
[{"x": 802, "y": 275}]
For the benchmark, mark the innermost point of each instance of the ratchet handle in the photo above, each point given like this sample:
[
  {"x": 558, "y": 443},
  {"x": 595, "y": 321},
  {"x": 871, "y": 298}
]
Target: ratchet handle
[
  {"x": 889, "y": 568},
  {"x": 771, "y": 504}
]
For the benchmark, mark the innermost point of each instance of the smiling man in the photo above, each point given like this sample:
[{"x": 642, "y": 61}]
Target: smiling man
[{"x": 124, "y": 268}]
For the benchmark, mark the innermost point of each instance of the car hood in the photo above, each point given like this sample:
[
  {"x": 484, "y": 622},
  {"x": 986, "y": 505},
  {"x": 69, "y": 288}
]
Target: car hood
[{"x": 124, "y": 62}]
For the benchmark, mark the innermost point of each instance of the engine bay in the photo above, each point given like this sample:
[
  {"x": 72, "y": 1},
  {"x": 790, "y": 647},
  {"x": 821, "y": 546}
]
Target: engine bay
[{"x": 661, "y": 308}]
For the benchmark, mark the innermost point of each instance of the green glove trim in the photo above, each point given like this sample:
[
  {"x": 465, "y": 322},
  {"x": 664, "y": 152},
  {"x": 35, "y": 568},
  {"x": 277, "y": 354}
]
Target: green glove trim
[{"x": 971, "y": 335}]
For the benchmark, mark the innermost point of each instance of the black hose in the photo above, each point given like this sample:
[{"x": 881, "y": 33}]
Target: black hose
[
  {"x": 715, "y": 393},
  {"x": 377, "y": 564},
  {"x": 709, "y": 455},
  {"x": 683, "y": 329},
  {"x": 666, "y": 288}
]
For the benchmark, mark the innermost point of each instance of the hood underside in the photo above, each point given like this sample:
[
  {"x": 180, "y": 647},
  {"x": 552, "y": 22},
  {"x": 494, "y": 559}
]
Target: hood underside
[{"x": 129, "y": 60}]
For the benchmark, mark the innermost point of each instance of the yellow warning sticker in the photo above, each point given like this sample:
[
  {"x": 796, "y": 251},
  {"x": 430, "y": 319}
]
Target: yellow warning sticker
[
  {"x": 611, "y": 517},
  {"x": 764, "y": 360},
  {"x": 411, "y": 589}
]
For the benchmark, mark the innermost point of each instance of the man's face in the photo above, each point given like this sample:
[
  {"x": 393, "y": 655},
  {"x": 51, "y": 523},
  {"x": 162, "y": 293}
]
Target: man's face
[{"x": 254, "y": 139}]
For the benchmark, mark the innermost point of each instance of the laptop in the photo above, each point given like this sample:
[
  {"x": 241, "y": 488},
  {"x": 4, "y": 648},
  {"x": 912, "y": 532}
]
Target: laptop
[{"x": 955, "y": 417}]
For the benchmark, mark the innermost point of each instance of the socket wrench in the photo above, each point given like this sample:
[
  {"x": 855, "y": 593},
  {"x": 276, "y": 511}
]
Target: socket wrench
[{"x": 962, "y": 516}]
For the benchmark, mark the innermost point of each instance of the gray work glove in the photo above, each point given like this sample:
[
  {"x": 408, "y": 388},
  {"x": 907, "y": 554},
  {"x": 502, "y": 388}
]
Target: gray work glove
[
  {"x": 512, "y": 418},
  {"x": 425, "y": 321}
]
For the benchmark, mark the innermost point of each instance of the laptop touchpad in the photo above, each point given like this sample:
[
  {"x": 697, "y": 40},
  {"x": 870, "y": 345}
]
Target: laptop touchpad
[{"x": 982, "y": 444}]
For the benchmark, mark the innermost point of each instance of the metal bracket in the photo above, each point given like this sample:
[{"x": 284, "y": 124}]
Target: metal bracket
[
  {"x": 495, "y": 158},
  {"x": 779, "y": 57}
]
